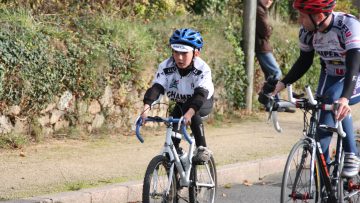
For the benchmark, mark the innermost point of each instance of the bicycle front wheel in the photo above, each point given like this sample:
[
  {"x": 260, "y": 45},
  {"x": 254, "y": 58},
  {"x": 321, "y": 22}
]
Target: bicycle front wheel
[
  {"x": 157, "y": 180},
  {"x": 203, "y": 184},
  {"x": 296, "y": 183}
]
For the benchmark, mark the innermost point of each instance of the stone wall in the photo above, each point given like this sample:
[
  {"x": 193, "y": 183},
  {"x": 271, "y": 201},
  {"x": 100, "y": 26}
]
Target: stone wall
[{"x": 116, "y": 109}]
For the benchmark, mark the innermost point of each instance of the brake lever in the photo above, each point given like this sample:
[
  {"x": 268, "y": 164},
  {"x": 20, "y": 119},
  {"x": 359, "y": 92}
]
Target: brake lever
[
  {"x": 275, "y": 121},
  {"x": 271, "y": 108}
]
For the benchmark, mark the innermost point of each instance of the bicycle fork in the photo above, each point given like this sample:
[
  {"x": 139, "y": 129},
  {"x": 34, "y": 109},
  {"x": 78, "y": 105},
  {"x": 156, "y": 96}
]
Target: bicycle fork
[
  {"x": 324, "y": 171},
  {"x": 212, "y": 181},
  {"x": 169, "y": 182},
  {"x": 307, "y": 195}
]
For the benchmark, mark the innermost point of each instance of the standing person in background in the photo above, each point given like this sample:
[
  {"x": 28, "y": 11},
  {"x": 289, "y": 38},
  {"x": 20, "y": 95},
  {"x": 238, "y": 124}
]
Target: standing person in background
[{"x": 263, "y": 49}]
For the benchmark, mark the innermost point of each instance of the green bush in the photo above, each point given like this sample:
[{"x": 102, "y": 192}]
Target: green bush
[
  {"x": 233, "y": 75},
  {"x": 40, "y": 62},
  {"x": 13, "y": 141},
  {"x": 209, "y": 6}
]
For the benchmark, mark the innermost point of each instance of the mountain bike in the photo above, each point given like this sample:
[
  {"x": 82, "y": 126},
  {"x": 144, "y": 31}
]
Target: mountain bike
[
  {"x": 307, "y": 177},
  {"x": 168, "y": 173}
]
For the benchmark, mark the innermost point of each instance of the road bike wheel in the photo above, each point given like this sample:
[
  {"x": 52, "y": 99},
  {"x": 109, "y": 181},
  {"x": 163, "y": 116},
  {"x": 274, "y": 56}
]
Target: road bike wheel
[
  {"x": 348, "y": 188},
  {"x": 156, "y": 180},
  {"x": 296, "y": 183},
  {"x": 203, "y": 184}
]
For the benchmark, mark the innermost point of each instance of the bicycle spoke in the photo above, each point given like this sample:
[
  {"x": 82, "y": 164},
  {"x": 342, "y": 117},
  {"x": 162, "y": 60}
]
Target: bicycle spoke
[
  {"x": 203, "y": 188},
  {"x": 158, "y": 186},
  {"x": 297, "y": 185},
  {"x": 350, "y": 189}
]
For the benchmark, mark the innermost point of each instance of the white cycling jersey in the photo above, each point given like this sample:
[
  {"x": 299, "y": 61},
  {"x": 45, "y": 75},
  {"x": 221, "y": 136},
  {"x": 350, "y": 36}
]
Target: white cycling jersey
[
  {"x": 343, "y": 35},
  {"x": 180, "y": 88}
]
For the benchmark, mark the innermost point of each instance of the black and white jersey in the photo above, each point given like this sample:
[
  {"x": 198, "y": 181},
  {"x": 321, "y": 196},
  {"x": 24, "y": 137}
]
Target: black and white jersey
[
  {"x": 180, "y": 88},
  {"x": 343, "y": 35}
]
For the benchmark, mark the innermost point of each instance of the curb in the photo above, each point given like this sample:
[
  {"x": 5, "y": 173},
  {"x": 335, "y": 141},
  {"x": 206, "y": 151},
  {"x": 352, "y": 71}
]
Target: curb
[{"x": 251, "y": 171}]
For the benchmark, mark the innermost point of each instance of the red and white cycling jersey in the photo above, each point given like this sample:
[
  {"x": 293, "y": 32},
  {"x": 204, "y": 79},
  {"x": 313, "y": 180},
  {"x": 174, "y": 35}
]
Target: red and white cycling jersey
[
  {"x": 180, "y": 88},
  {"x": 343, "y": 35}
]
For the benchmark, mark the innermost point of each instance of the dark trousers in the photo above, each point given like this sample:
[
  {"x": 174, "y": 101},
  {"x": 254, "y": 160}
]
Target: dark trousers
[{"x": 196, "y": 125}]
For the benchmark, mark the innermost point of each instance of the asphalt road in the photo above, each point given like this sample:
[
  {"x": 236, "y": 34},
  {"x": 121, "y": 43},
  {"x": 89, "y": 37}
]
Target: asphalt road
[{"x": 268, "y": 190}]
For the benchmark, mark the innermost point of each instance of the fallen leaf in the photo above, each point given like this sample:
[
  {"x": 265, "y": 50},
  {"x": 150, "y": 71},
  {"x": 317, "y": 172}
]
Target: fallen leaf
[
  {"x": 247, "y": 183},
  {"x": 229, "y": 185},
  {"x": 22, "y": 154}
]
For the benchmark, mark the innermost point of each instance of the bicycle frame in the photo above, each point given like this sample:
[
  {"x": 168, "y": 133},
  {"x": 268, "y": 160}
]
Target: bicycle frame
[
  {"x": 330, "y": 181},
  {"x": 169, "y": 151}
]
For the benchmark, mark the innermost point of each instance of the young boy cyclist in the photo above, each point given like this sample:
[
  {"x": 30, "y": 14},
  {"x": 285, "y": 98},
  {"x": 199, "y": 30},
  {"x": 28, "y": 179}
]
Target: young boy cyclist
[
  {"x": 335, "y": 36},
  {"x": 186, "y": 79}
]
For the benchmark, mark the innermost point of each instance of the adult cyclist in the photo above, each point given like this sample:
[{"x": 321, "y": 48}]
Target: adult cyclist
[
  {"x": 335, "y": 36},
  {"x": 186, "y": 79}
]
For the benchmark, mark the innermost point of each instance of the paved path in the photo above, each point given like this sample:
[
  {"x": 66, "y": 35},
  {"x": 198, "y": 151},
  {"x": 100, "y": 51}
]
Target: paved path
[{"x": 267, "y": 190}]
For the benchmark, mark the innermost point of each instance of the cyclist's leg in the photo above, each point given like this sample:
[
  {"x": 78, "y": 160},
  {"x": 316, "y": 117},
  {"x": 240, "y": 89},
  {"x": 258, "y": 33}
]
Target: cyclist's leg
[
  {"x": 203, "y": 176},
  {"x": 196, "y": 125},
  {"x": 197, "y": 128},
  {"x": 332, "y": 93},
  {"x": 355, "y": 98},
  {"x": 349, "y": 140},
  {"x": 328, "y": 92}
]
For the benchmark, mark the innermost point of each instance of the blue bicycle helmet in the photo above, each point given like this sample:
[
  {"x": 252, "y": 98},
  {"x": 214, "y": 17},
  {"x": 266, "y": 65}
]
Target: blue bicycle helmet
[{"x": 186, "y": 36}]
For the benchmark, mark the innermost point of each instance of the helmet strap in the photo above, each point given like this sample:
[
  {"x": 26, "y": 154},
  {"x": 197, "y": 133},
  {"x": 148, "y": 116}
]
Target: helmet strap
[
  {"x": 317, "y": 26},
  {"x": 194, "y": 53}
]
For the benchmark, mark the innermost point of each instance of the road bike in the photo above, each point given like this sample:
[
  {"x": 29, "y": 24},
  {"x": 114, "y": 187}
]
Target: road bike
[
  {"x": 169, "y": 173},
  {"x": 307, "y": 177}
]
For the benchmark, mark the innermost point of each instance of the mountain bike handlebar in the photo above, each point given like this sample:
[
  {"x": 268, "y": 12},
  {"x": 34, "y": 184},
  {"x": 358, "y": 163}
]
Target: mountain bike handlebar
[
  {"x": 309, "y": 103},
  {"x": 139, "y": 122}
]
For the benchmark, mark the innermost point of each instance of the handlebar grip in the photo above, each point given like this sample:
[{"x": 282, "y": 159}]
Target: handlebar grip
[
  {"x": 310, "y": 95},
  {"x": 183, "y": 128},
  {"x": 290, "y": 94},
  {"x": 138, "y": 125},
  {"x": 139, "y": 122},
  {"x": 341, "y": 131}
]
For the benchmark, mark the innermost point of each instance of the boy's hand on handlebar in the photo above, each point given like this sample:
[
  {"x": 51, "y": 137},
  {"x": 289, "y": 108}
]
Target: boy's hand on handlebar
[
  {"x": 144, "y": 112},
  {"x": 344, "y": 108},
  {"x": 188, "y": 115}
]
